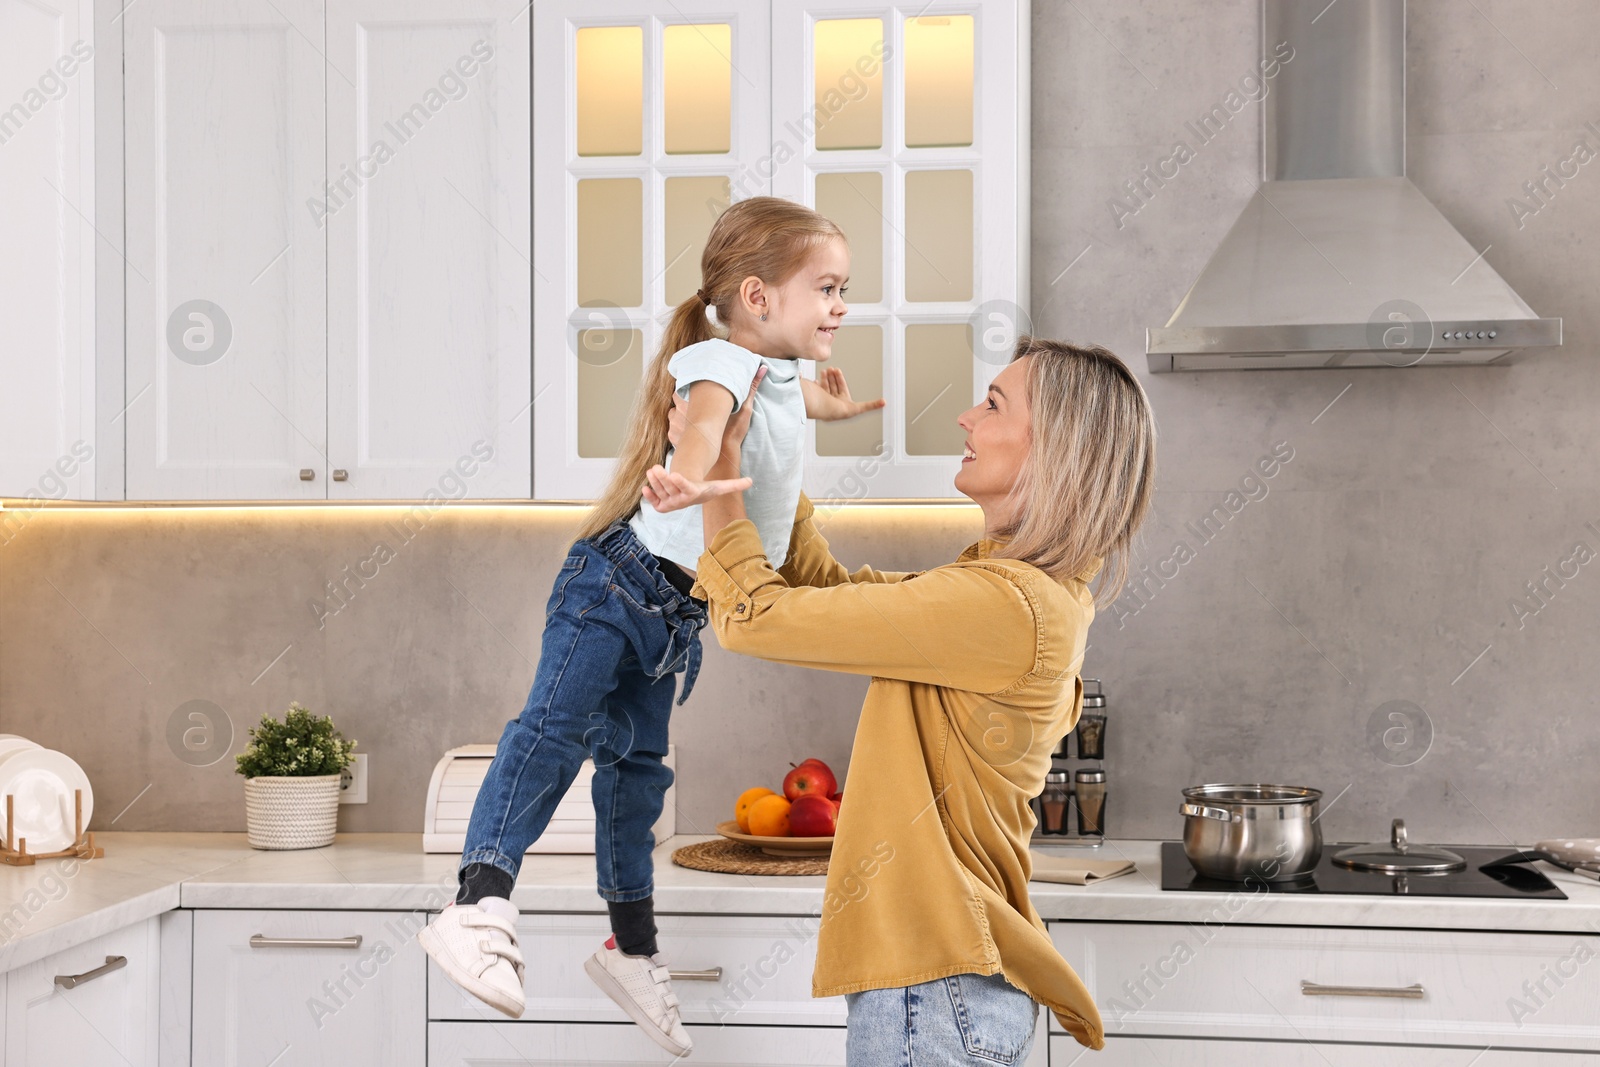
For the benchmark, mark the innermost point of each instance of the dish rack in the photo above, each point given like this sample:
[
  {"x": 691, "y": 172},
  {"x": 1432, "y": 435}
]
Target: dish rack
[{"x": 454, "y": 789}]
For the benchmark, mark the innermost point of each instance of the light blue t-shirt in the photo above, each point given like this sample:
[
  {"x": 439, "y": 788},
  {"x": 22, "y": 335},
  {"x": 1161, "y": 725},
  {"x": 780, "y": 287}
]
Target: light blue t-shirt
[{"x": 771, "y": 456}]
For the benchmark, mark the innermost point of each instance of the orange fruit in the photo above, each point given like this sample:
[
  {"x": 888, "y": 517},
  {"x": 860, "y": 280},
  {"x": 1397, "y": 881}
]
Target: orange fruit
[
  {"x": 741, "y": 810},
  {"x": 769, "y": 817}
]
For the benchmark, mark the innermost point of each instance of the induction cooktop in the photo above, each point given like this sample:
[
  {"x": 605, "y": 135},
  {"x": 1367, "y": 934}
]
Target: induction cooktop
[{"x": 1519, "y": 881}]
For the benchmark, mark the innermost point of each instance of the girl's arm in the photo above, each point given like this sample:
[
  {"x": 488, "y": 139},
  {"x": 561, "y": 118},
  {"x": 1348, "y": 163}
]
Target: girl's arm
[
  {"x": 696, "y": 452},
  {"x": 828, "y": 398}
]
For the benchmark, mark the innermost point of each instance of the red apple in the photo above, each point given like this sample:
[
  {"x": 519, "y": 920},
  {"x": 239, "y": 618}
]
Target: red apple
[
  {"x": 837, "y": 798},
  {"x": 810, "y": 777},
  {"x": 813, "y": 815}
]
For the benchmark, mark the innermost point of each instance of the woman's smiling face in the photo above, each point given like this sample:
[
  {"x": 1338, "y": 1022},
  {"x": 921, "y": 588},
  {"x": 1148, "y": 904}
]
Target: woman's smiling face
[{"x": 999, "y": 431}]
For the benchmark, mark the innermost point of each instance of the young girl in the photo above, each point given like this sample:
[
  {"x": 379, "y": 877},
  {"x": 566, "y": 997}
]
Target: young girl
[{"x": 622, "y": 620}]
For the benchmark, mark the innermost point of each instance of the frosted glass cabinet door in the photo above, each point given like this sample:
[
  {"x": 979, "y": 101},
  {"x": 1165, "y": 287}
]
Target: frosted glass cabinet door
[
  {"x": 225, "y": 281},
  {"x": 46, "y": 249},
  {"x": 427, "y": 220}
]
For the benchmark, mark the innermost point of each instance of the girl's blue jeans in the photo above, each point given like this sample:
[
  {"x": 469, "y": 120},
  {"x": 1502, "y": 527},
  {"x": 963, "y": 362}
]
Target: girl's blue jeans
[{"x": 615, "y": 634}]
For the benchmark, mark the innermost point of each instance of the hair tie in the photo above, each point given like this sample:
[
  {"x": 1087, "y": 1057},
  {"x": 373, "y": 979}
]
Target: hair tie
[{"x": 701, "y": 293}]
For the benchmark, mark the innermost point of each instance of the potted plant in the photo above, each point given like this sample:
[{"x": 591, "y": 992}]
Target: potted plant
[{"x": 292, "y": 770}]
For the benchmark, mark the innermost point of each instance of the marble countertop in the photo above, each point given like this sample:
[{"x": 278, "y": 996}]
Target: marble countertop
[{"x": 56, "y": 904}]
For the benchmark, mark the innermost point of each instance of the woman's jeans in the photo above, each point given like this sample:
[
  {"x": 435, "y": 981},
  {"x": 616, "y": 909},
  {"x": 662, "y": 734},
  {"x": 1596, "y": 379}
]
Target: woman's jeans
[
  {"x": 966, "y": 1019},
  {"x": 615, "y": 633}
]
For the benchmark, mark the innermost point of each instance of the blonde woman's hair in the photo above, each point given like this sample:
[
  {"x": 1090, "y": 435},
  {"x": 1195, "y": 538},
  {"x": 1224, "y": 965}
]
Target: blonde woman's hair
[
  {"x": 1087, "y": 483},
  {"x": 765, "y": 237}
]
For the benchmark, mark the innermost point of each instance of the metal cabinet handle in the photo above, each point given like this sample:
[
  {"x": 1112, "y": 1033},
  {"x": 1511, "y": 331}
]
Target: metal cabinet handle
[
  {"x": 307, "y": 474},
  {"x": 340, "y": 474},
  {"x": 711, "y": 974},
  {"x": 262, "y": 941},
  {"x": 1220, "y": 814},
  {"x": 73, "y": 981},
  {"x": 1409, "y": 992}
]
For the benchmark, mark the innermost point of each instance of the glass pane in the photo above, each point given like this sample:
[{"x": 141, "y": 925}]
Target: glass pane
[
  {"x": 847, "y": 67},
  {"x": 697, "y": 87},
  {"x": 610, "y": 366},
  {"x": 938, "y": 81},
  {"x": 610, "y": 91},
  {"x": 610, "y": 242},
  {"x": 938, "y": 387},
  {"x": 855, "y": 202},
  {"x": 692, "y": 205},
  {"x": 939, "y": 235},
  {"x": 858, "y": 351}
]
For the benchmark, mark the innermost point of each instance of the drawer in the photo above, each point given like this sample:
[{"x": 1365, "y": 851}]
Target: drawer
[
  {"x": 1477, "y": 989},
  {"x": 1194, "y": 1052},
  {"x": 765, "y": 978},
  {"x": 480, "y": 1044}
]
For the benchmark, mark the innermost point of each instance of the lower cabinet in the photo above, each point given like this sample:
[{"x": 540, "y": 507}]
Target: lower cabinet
[
  {"x": 88, "y": 1006},
  {"x": 1195, "y": 1052},
  {"x": 610, "y": 1044},
  {"x": 308, "y": 989}
]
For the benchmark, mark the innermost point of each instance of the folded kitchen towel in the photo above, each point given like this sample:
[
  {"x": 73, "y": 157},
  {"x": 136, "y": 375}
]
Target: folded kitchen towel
[{"x": 1071, "y": 870}]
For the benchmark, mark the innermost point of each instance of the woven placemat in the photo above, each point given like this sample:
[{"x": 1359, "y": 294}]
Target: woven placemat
[{"x": 735, "y": 857}]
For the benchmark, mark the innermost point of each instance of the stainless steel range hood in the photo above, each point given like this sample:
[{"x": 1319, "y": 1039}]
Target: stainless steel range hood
[{"x": 1338, "y": 260}]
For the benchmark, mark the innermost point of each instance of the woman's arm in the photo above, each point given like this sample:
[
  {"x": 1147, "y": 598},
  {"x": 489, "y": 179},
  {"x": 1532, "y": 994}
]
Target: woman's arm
[{"x": 810, "y": 561}]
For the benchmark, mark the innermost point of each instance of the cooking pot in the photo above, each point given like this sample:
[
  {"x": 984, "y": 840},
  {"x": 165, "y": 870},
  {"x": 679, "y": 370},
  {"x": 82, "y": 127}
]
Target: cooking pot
[{"x": 1239, "y": 833}]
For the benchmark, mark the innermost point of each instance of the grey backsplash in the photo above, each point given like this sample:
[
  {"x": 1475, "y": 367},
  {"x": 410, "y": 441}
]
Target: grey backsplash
[{"x": 1389, "y": 560}]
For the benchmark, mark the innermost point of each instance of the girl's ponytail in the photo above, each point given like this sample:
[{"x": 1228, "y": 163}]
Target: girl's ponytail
[{"x": 764, "y": 237}]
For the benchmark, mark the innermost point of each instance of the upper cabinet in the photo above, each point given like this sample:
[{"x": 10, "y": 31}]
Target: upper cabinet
[
  {"x": 328, "y": 249},
  {"x": 908, "y": 126},
  {"x": 47, "y": 249}
]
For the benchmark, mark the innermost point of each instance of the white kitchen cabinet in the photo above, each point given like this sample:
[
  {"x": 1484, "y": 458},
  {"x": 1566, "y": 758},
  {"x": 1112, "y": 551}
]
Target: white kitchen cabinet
[
  {"x": 429, "y": 239},
  {"x": 88, "y": 1006},
  {"x": 226, "y": 324},
  {"x": 746, "y": 970},
  {"x": 1191, "y": 1052},
  {"x": 47, "y": 250},
  {"x": 1466, "y": 989},
  {"x": 575, "y": 1045},
  {"x": 312, "y": 988}
]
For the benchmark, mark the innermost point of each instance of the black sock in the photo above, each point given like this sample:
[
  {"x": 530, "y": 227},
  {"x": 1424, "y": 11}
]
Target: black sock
[
  {"x": 634, "y": 924},
  {"x": 479, "y": 880}
]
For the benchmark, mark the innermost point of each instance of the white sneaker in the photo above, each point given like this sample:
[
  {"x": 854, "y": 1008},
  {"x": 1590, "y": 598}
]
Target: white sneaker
[
  {"x": 476, "y": 947},
  {"x": 642, "y": 987}
]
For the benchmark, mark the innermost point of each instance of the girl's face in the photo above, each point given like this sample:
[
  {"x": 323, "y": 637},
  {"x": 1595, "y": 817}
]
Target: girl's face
[
  {"x": 998, "y": 433},
  {"x": 803, "y": 312}
]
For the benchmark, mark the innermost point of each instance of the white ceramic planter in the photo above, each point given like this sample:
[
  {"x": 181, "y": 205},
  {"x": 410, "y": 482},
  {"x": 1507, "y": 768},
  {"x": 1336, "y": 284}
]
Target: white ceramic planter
[{"x": 289, "y": 813}]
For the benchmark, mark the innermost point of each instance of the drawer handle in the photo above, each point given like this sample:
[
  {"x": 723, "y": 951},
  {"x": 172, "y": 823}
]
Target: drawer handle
[
  {"x": 1409, "y": 992},
  {"x": 73, "y": 981},
  {"x": 710, "y": 974},
  {"x": 1219, "y": 814},
  {"x": 261, "y": 941}
]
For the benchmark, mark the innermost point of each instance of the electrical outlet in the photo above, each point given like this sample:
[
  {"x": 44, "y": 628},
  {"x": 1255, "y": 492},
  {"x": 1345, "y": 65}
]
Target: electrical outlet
[{"x": 353, "y": 781}]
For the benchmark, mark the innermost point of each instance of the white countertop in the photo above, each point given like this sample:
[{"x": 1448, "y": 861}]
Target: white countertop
[{"x": 53, "y": 906}]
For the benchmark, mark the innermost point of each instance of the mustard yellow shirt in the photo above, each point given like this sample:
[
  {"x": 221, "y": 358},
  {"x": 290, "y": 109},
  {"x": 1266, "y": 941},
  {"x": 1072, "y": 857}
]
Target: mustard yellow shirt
[{"x": 974, "y": 670}]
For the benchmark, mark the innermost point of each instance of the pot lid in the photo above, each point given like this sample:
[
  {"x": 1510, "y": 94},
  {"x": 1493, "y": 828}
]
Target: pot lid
[{"x": 1399, "y": 856}]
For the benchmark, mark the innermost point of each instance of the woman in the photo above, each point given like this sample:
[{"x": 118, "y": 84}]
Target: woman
[{"x": 927, "y": 928}]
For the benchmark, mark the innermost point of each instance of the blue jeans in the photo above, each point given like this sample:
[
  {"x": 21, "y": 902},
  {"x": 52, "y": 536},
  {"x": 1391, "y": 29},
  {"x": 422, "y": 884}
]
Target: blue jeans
[
  {"x": 963, "y": 1020},
  {"x": 615, "y": 634}
]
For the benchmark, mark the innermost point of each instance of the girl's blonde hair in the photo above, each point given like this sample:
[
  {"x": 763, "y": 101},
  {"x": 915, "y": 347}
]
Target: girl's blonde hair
[
  {"x": 764, "y": 237},
  {"x": 1087, "y": 484}
]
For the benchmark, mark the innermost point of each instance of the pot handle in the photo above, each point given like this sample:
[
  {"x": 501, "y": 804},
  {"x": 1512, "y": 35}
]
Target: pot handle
[{"x": 1220, "y": 814}]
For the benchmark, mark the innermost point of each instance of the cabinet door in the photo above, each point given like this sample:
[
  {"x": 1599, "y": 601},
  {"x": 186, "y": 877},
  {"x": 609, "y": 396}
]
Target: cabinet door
[
  {"x": 225, "y": 278},
  {"x": 110, "y": 1018},
  {"x": 429, "y": 249},
  {"x": 325, "y": 989},
  {"x": 47, "y": 249},
  {"x": 1198, "y": 1052},
  {"x": 577, "y": 1044}
]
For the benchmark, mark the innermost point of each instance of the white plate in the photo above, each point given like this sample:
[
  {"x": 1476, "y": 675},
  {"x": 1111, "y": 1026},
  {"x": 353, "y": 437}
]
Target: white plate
[
  {"x": 1572, "y": 849},
  {"x": 40, "y": 782},
  {"x": 10, "y": 743}
]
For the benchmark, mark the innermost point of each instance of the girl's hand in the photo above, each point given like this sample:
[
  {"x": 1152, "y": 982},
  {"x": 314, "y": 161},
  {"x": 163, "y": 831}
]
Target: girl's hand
[
  {"x": 830, "y": 401},
  {"x": 666, "y": 491}
]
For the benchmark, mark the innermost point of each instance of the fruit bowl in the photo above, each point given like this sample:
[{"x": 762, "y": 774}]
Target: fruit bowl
[{"x": 778, "y": 846}]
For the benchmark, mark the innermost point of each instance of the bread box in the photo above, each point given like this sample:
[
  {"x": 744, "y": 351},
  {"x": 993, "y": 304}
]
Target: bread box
[{"x": 454, "y": 788}]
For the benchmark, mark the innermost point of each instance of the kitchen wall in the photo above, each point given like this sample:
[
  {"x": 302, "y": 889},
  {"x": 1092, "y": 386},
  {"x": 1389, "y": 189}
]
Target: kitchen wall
[{"x": 1361, "y": 622}]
